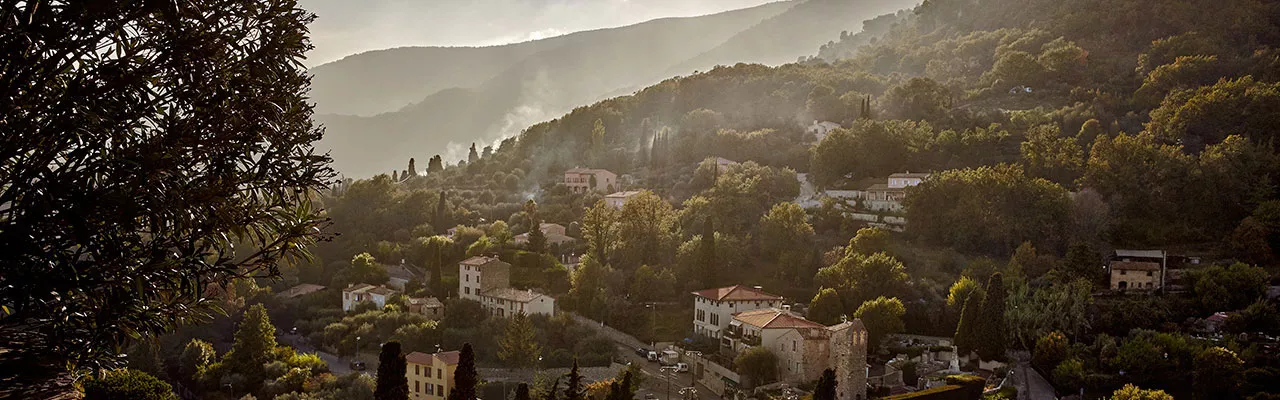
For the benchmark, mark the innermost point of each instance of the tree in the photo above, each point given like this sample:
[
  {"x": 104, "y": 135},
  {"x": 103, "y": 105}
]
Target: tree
[
  {"x": 1017, "y": 68},
  {"x": 826, "y": 387},
  {"x": 784, "y": 235},
  {"x": 1069, "y": 374},
  {"x": 860, "y": 278},
  {"x": 1209, "y": 114},
  {"x": 519, "y": 348},
  {"x": 622, "y": 389},
  {"x": 364, "y": 269},
  {"x": 500, "y": 232},
  {"x": 1051, "y": 349},
  {"x": 1217, "y": 372},
  {"x": 392, "y": 384},
  {"x": 826, "y": 307},
  {"x": 757, "y": 364},
  {"x": 472, "y": 156},
  {"x": 1131, "y": 392},
  {"x": 125, "y": 149},
  {"x": 645, "y": 230},
  {"x": 1048, "y": 154},
  {"x": 600, "y": 229},
  {"x": 882, "y": 317},
  {"x": 918, "y": 99},
  {"x": 960, "y": 291},
  {"x": 465, "y": 377},
  {"x": 597, "y": 136},
  {"x": 991, "y": 323},
  {"x": 196, "y": 355},
  {"x": 1081, "y": 263},
  {"x": 254, "y": 345},
  {"x": 707, "y": 254},
  {"x": 988, "y": 209},
  {"x": 413, "y": 169},
  {"x": 126, "y": 384},
  {"x": 966, "y": 336},
  {"x": 522, "y": 392},
  {"x": 1231, "y": 288},
  {"x": 435, "y": 164},
  {"x": 574, "y": 389},
  {"x": 144, "y": 357},
  {"x": 868, "y": 241},
  {"x": 435, "y": 248}
]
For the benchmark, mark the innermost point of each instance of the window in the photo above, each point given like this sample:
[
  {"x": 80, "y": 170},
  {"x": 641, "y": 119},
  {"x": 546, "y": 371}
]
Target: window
[
  {"x": 431, "y": 388},
  {"x": 793, "y": 345},
  {"x": 439, "y": 373},
  {"x": 477, "y": 278},
  {"x": 417, "y": 386},
  {"x": 1148, "y": 273},
  {"x": 417, "y": 370},
  {"x": 1122, "y": 272},
  {"x": 702, "y": 315},
  {"x": 467, "y": 290}
]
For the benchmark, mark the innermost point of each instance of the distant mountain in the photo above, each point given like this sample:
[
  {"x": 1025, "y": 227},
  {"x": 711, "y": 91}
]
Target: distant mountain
[
  {"x": 465, "y": 97},
  {"x": 786, "y": 37}
]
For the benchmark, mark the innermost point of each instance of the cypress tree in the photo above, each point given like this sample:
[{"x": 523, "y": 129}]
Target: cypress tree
[
  {"x": 392, "y": 382},
  {"x": 551, "y": 391},
  {"x": 472, "y": 156},
  {"x": 991, "y": 327},
  {"x": 968, "y": 325},
  {"x": 574, "y": 389},
  {"x": 708, "y": 256},
  {"x": 537, "y": 239},
  {"x": 522, "y": 392},
  {"x": 465, "y": 378},
  {"x": 441, "y": 223},
  {"x": 413, "y": 169},
  {"x": 826, "y": 388}
]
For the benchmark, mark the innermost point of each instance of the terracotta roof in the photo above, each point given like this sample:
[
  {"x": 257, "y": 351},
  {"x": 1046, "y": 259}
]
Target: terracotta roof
[
  {"x": 772, "y": 318},
  {"x": 401, "y": 271},
  {"x": 516, "y": 295},
  {"x": 418, "y": 357},
  {"x": 449, "y": 357},
  {"x": 736, "y": 293},
  {"x": 1135, "y": 265}
]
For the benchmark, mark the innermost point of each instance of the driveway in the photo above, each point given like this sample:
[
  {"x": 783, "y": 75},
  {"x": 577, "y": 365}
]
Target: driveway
[{"x": 656, "y": 383}]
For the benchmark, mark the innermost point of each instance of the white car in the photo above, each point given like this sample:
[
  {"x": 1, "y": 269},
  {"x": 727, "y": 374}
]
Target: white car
[{"x": 682, "y": 367}]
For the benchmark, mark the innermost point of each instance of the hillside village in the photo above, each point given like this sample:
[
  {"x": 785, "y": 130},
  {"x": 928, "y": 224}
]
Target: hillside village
[{"x": 998, "y": 199}]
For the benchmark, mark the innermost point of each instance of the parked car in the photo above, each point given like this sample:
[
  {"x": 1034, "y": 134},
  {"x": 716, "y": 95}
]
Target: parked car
[
  {"x": 642, "y": 352},
  {"x": 650, "y": 396},
  {"x": 682, "y": 367},
  {"x": 669, "y": 357},
  {"x": 652, "y": 356},
  {"x": 357, "y": 366}
]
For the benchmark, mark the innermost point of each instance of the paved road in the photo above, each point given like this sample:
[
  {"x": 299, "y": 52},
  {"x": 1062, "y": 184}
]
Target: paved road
[
  {"x": 337, "y": 365},
  {"x": 1030, "y": 384},
  {"x": 656, "y": 383}
]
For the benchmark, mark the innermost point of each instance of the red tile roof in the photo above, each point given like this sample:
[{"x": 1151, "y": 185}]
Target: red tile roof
[
  {"x": 418, "y": 357},
  {"x": 772, "y": 318},
  {"x": 449, "y": 357},
  {"x": 736, "y": 293}
]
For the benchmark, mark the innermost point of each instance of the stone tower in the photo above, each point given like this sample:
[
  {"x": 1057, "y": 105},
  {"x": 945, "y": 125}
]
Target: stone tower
[{"x": 848, "y": 344}]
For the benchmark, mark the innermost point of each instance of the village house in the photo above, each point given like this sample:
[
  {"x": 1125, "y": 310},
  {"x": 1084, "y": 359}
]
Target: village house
[
  {"x": 355, "y": 294},
  {"x": 1137, "y": 269},
  {"x": 431, "y": 307},
  {"x": 488, "y": 281},
  {"x": 582, "y": 180},
  {"x": 400, "y": 274},
  {"x": 555, "y": 234},
  {"x": 714, "y": 308},
  {"x": 820, "y": 130},
  {"x": 888, "y": 196},
  {"x": 804, "y": 353},
  {"x": 430, "y": 375},
  {"x": 762, "y": 327},
  {"x": 616, "y": 200}
]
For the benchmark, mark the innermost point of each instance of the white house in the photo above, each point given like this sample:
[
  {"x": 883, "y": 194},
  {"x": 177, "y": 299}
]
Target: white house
[
  {"x": 820, "y": 130},
  {"x": 582, "y": 180},
  {"x": 399, "y": 275},
  {"x": 616, "y": 200},
  {"x": 888, "y": 196},
  {"x": 355, "y": 294},
  {"x": 553, "y": 232},
  {"x": 714, "y": 308},
  {"x": 763, "y": 327},
  {"x": 488, "y": 281}
]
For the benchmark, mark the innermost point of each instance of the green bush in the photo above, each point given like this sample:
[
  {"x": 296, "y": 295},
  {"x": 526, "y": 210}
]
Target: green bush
[{"x": 126, "y": 384}]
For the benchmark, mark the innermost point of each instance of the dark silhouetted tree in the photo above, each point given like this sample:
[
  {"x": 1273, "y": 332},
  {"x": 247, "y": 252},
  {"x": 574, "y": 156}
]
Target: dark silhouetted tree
[
  {"x": 465, "y": 378},
  {"x": 392, "y": 382},
  {"x": 574, "y": 389},
  {"x": 826, "y": 387},
  {"x": 146, "y": 145}
]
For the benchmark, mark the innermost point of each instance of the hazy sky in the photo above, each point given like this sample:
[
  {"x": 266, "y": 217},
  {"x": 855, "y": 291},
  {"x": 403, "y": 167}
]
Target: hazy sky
[{"x": 345, "y": 27}]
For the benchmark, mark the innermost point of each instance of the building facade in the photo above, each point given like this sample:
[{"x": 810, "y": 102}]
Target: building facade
[
  {"x": 431, "y": 307},
  {"x": 355, "y": 294},
  {"x": 1139, "y": 270},
  {"x": 803, "y": 353},
  {"x": 714, "y": 308},
  {"x": 430, "y": 375},
  {"x": 616, "y": 200},
  {"x": 582, "y": 180},
  {"x": 488, "y": 280}
]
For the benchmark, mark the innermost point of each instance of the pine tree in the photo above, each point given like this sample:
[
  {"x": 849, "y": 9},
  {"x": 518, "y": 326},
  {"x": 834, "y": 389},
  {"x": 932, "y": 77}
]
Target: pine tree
[
  {"x": 518, "y": 347},
  {"x": 392, "y": 383},
  {"x": 574, "y": 389},
  {"x": 472, "y": 156},
  {"x": 991, "y": 326},
  {"x": 465, "y": 378},
  {"x": 708, "y": 253},
  {"x": 522, "y": 392},
  {"x": 413, "y": 169},
  {"x": 826, "y": 387},
  {"x": 551, "y": 391},
  {"x": 621, "y": 389},
  {"x": 968, "y": 326},
  {"x": 395, "y": 176},
  {"x": 537, "y": 238},
  {"x": 255, "y": 342}
]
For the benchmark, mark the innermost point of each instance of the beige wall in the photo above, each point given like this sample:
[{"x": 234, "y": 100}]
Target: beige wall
[
  {"x": 1135, "y": 280},
  {"x": 724, "y": 311},
  {"x": 433, "y": 387}
]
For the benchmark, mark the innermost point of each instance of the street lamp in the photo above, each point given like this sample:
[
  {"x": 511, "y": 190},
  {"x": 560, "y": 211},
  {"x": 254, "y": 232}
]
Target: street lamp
[
  {"x": 689, "y": 393},
  {"x": 356, "y": 355},
  {"x": 653, "y": 328},
  {"x": 666, "y": 374}
]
